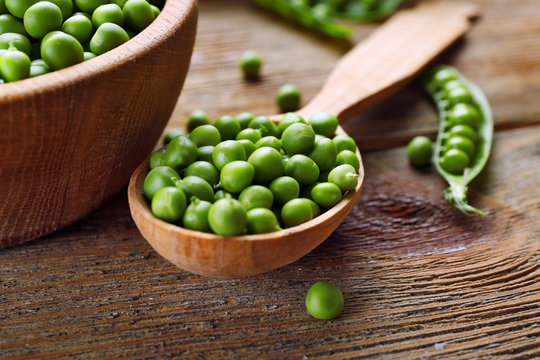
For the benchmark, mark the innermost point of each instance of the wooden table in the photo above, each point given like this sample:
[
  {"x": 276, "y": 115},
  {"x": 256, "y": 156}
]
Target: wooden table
[{"x": 420, "y": 279}]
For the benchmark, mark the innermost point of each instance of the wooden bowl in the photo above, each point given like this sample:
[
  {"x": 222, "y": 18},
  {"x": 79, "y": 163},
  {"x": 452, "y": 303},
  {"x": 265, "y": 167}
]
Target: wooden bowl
[
  {"x": 71, "y": 139},
  {"x": 234, "y": 256}
]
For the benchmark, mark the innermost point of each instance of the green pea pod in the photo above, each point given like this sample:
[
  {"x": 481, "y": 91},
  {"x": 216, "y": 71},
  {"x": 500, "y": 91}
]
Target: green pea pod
[
  {"x": 367, "y": 11},
  {"x": 456, "y": 194}
]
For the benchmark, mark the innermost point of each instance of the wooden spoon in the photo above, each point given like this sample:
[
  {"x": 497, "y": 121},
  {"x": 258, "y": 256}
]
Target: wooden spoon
[{"x": 380, "y": 65}]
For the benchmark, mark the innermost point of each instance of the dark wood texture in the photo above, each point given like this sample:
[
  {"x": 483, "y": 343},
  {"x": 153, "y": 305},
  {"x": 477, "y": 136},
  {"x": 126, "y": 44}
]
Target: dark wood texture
[
  {"x": 70, "y": 139},
  {"x": 420, "y": 279}
]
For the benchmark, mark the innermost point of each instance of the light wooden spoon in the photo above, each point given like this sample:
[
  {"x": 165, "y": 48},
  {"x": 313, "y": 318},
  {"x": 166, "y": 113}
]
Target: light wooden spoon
[{"x": 380, "y": 65}]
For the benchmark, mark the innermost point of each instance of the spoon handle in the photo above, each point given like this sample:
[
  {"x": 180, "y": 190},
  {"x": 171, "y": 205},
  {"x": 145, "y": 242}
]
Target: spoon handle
[{"x": 391, "y": 56}]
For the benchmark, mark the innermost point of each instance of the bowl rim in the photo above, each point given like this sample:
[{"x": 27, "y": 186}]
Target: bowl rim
[{"x": 174, "y": 14}]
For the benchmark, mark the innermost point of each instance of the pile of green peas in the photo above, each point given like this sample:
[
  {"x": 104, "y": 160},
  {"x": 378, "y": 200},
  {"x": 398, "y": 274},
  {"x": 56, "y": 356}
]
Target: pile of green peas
[
  {"x": 247, "y": 175},
  {"x": 37, "y": 37}
]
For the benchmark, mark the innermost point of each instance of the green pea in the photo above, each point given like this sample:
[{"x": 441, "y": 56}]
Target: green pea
[
  {"x": 228, "y": 127},
  {"x": 226, "y": 152},
  {"x": 244, "y": 118},
  {"x": 156, "y": 159},
  {"x": 303, "y": 169},
  {"x": 455, "y": 161},
  {"x": 458, "y": 94},
  {"x": 265, "y": 125},
  {"x": 204, "y": 170},
  {"x": 158, "y": 178},
  {"x": 198, "y": 187},
  {"x": 197, "y": 118},
  {"x": 196, "y": 215},
  {"x": 60, "y": 50},
  {"x": 138, "y": 14},
  {"x": 89, "y": 5},
  {"x": 10, "y": 24},
  {"x": 260, "y": 221},
  {"x": 111, "y": 13},
  {"x": 326, "y": 194},
  {"x": 462, "y": 143},
  {"x": 250, "y": 64},
  {"x": 324, "y": 301},
  {"x": 288, "y": 98},
  {"x": 344, "y": 142},
  {"x": 169, "y": 204},
  {"x": 107, "y": 37},
  {"x": 464, "y": 131},
  {"x": 256, "y": 196},
  {"x": 205, "y": 135},
  {"x": 419, "y": 151},
  {"x": 37, "y": 70},
  {"x": 249, "y": 147},
  {"x": 443, "y": 76},
  {"x": 88, "y": 55},
  {"x": 14, "y": 65},
  {"x": 288, "y": 119},
  {"x": 296, "y": 212},
  {"x": 316, "y": 209},
  {"x": 222, "y": 194},
  {"x": 42, "y": 18},
  {"x": 236, "y": 176},
  {"x": 464, "y": 114},
  {"x": 269, "y": 141},
  {"x": 319, "y": 137},
  {"x": 18, "y": 7},
  {"x": 324, "y": 123},
  {"x": 324, "y": 153},
  {"x": 348, "y": 157},
  {"x": 227, "y": 217},
  {"x": 344, "y": 176},
  {"x": 66, "y": 6},
  {"x": 268, "y": 164},
  {"x": 284, "y": 189},
  {"x": 82, "y": 13},
  {"x": 204, "y": 153},
  {"x": 156, "y": 10},
  {"x": 20, "y": 42},
  {"x": 298, "y": 138},
  {"x": 180, "y": 153},
  {"x": 172, "y": 133},
  {"x": 250, "y": 134},
  {"x": 120, "y": 3}
]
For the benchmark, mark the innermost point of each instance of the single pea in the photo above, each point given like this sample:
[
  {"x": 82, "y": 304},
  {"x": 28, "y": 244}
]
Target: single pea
[
  {"x": 250, "y": 134},
  {"x": 60, "y": 50},
  {"x": 204, "y": 153},
  {"x": 37, "y": 70},
  {"x": 344, "y": 142},
  {"x": 284, "y": 189},
  {"x": 461, "y": 143},
  {"x": 205, "y": 135},
  {"x": 458, "y": 94},
  {"x": 222, "y": 194},
  {"x": 236, "y": 176},
  {"x": 20, "y": 42},
  {"x": 348, "y": 157},
  {"x": 228, "y": 151},
  {"x": 419, "y": 151},
  {"x": 298, "y": 138},
  {"x": 455, "y": 161},
  {"x": 268, "y": 164},
  {"x": 464, "y": 131},
  {"x": 256, "y": 196},
  {"x": 249, "y": 147},
  {"x": 11, "y": 24},
  {"x": 204, "y": 170},
  {"x": 198, "y": 187},
  {"x": 443, "y": 76},
  {"x": 158, "y": 178},
  {"x": 89, "y": 6},
  {"x": 288, "y": 98},
  {"x": 344, "y": 176},
  {"x": 324, "y": 123},
  {"x": 107, "y": 37},
  {"x": 265, "y": 125},
  {"x": 42, "y": 18},
  {"x": 288, "y": 119},
  {"x": 18, "y": 7},
  {"x": 82, "y": 13},
  {"x": 180, "y": 152},
  {"x": 156, "y": 158},
  {"x": 138, "y": 14},
  {"x": 227, "y": 217},
  {"x": 296, "y": 212},
  {"x": 250, "y": 64},
  {"x": 319, "y": 137},
  {"x": 261, "y": 221},
  {"x": 228, "y": 127},
  {"x": 244, "y": 118},
  {"x": 87, "y": 55},
  {"x": 169, "y": 204},
  {"x": 269, "y": 141},
  {"x": 111, "y": 13},
  {"x": 303, "y": 169},
  {"x": 464, "y": 114},
  {"x": 326, "y": 194},
  {"x": 316, "y": 209},
  {"x": 197, "y": 118},
  {"x": 14, "y": 65},
  {"x": 196, "y": 215},
  {"x": 155, "y": 10},
  {"x": 324, "y": 301},
  {"x": 324, "y": 153},
  {"x": 171, "y": 133}
]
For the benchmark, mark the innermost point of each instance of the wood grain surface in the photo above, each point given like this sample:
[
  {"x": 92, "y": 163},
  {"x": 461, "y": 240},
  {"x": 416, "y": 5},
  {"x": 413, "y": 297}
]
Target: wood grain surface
[{"x": 420, "y": 279}]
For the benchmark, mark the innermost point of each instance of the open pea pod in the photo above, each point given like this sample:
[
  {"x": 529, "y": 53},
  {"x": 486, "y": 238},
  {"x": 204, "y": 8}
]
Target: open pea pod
[{"x": 436, "y": 82}]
